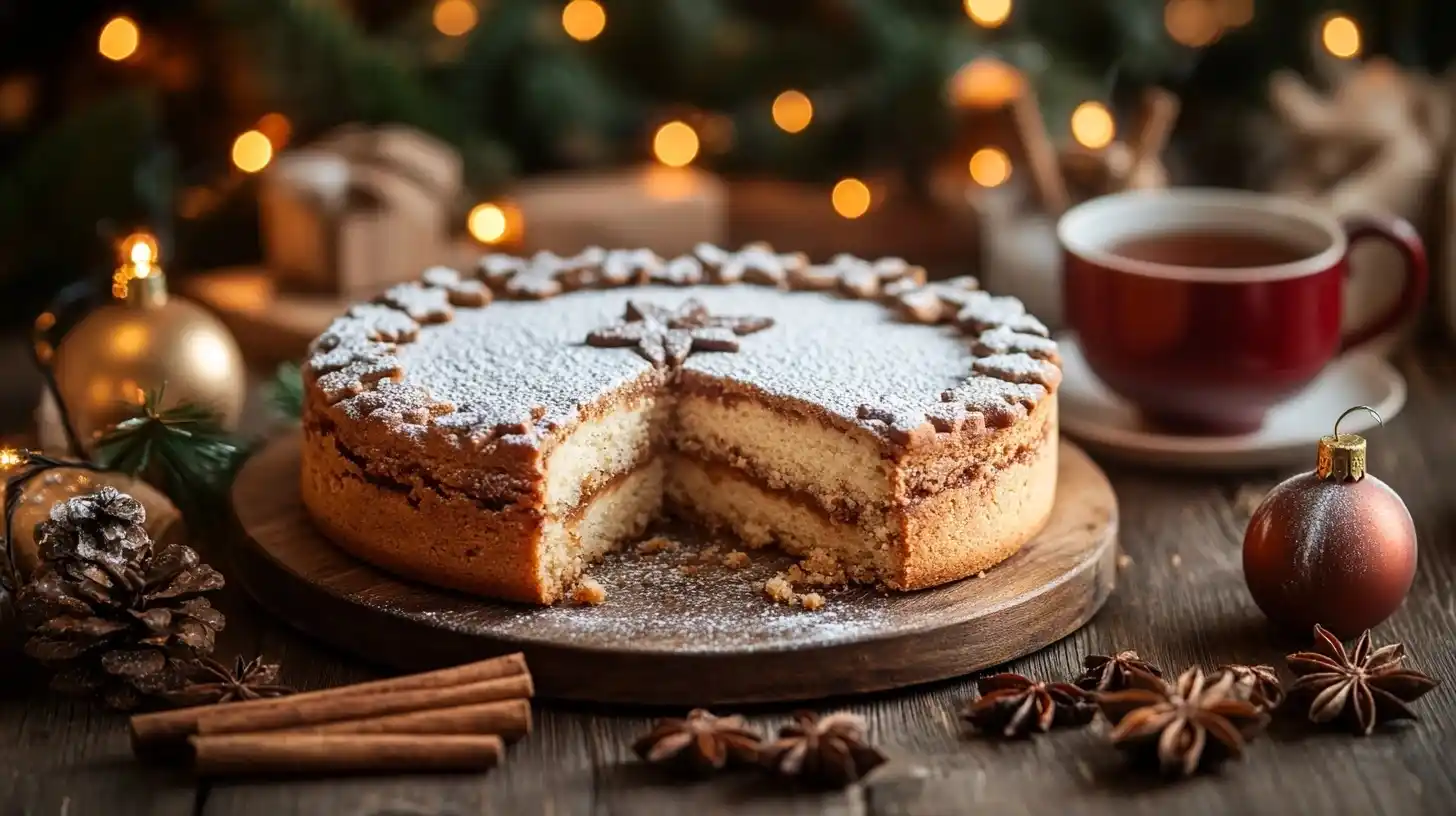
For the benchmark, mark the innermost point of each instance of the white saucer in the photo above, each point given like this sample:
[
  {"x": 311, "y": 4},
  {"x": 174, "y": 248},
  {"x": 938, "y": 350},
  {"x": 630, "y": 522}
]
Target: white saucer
[{"x": 1107, "y": 424}]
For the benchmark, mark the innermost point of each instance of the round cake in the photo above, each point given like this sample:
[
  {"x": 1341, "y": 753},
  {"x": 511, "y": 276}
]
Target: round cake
[{"x": 499, "y": 430}]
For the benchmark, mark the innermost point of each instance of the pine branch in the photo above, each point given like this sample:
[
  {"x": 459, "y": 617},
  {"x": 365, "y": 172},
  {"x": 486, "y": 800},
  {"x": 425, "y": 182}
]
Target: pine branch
[
  {"x": 285, "y": 393},
  {"x": 183, "y": 451}
]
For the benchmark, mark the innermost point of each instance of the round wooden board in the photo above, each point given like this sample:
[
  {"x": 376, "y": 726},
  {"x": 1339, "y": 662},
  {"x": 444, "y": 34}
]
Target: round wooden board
[{"x": 667, "y": 637}]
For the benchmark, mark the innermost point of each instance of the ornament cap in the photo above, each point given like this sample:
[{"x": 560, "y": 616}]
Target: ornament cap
[
  {"x": 1341, "y": 457},
  {"x": 147, "y": 293}
]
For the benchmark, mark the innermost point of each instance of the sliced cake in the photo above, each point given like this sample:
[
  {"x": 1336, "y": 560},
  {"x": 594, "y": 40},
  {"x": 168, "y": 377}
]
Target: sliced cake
[{"x": 498, "y": 431}]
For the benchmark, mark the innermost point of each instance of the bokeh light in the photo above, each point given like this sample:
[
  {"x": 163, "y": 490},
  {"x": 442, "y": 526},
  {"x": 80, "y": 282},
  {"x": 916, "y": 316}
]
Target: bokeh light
[
  {"x": 1092, "y": 125},
  {"x": 792, "y": 111},
  {"x": 119, "y": 39},
  {"x": 1194, "y": 23},
  {"x": 252, "y": 151},
  {"x": 584, "y": 19},
  {"x": 1341, "y": 37},
  {"x": 487, "y": 223},
  {"x": 851, "y": 198},
  {"x": 986, "y": 82},
  {"x": 455, "y": 18},
  {"x": 990, "y": 167},
  {"x": 276, "y": 127},
  {"x": 989, "y": 13},
  {"x": 675, "y": 144}
]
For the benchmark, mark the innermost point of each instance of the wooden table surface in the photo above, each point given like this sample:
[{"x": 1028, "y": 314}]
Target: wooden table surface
[{"x": 1181, "y": 601}]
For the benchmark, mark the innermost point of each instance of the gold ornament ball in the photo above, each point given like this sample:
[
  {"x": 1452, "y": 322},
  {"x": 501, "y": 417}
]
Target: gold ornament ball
[
  {"x": 105, "y": 366},
  {"x": 44, "y": 490}
]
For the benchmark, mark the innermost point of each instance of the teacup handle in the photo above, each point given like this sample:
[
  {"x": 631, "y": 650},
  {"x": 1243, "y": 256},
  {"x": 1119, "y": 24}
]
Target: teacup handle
[{"x": 1399, "y": 233}]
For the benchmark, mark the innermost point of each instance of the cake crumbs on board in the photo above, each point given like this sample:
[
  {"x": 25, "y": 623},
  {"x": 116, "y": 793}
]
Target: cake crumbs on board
[
  {"x": 737, "y": 559},
  {"x": 780, "y": 588},
  {"x": 658, "y": 544},
  {"x": 588, "y": 592}
]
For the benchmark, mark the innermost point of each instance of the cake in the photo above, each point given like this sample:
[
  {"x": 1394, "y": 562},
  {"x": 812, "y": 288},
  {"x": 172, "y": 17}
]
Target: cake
[{"x": 497, "y": 431}]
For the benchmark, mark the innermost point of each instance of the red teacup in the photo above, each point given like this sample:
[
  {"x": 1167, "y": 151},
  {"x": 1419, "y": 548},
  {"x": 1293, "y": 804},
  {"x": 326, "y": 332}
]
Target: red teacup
[{"x": 1205, "y": 308}]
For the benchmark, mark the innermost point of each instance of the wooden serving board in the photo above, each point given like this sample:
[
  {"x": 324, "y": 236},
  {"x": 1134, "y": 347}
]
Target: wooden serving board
[{"x": 668, "y": 637}]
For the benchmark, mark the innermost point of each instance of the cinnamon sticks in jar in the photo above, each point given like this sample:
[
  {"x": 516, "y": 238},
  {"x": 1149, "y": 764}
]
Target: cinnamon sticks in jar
[{"x": 453, "y": 719}]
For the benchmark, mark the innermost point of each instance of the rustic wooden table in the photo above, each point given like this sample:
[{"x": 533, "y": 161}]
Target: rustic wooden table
[{"x": 1181, "y": 601}]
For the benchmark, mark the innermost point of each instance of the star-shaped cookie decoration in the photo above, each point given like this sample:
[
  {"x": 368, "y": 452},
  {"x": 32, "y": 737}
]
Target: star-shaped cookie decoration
[
  {"x": 931, "y": 302},
  {"x": 755, "y": 263},
  {"x": 543, "y": 275},
  {"x": 666, "y": 337},
  {"x": 863, "y": 278},
  {"x": 459, "y": 291}
]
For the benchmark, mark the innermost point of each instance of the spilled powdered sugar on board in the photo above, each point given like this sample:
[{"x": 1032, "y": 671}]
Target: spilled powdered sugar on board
[{"x": 654, "y": 604}]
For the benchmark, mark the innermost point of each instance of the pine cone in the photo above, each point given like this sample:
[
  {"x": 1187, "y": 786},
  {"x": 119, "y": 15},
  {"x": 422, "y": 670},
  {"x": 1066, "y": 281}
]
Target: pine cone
[
  {"x": 104, "y": 527},
  {"x": 128, "y": 630}
]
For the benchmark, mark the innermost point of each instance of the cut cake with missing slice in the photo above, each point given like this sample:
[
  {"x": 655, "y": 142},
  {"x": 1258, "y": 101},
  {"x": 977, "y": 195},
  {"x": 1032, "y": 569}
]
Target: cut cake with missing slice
[{"x": 498, "y": 432}]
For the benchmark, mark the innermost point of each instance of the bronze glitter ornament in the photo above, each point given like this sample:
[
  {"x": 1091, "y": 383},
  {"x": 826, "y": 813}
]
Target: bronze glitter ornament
[{"x": 1334, "y": 545}]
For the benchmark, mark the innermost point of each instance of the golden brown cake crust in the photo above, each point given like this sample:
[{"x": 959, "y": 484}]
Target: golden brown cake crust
[{"x": 434, "y": 420}]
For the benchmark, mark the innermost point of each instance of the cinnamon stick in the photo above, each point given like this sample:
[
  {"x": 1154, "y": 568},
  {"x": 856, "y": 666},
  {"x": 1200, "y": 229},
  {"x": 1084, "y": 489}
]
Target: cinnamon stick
[
  {"x": 1041, "y": 153},
  {"x": 318, "y": 754},
  {"x": 173, "y": 727},
  {"x": 510, "y": 720},
  {"x": 1159, "y": 115},
  {"x": 291, "y": 712}
]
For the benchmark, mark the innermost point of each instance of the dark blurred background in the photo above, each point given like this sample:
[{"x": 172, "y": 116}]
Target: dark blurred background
[{"x": 115, "y": 115}]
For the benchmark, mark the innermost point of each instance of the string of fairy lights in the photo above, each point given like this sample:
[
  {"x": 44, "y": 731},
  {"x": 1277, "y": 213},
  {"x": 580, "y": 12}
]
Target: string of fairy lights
[{"x": 985, "y": 82}]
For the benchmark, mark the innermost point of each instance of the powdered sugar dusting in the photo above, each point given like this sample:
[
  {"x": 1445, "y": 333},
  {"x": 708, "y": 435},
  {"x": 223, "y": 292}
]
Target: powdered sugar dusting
[
  {"x": 498, "y": 363},
  {"x": 521, "y": 368},
  {"x": 673, "y": 601}
]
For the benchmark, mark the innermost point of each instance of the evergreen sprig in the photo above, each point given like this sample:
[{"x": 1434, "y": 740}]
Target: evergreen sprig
[
  {"x": 285, "y": 393},
  {"x": 182, "y": 450}
]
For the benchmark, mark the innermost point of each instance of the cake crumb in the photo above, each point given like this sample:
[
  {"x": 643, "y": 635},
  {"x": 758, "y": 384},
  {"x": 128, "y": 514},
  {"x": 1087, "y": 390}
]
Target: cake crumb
[
  {"x": 1124, "y": 560},
  {"x": 708, "y": 554},
  {"x": 736, "y": 559},
  {"x": 779, "y": 590},
  {"x": 589, "y": 592},
  {"x": 1176, "y": 560},
  {"x": 657, "y": 544},
  {"x": 689, "y": 569},
  {"x": 981, "y": 574}
]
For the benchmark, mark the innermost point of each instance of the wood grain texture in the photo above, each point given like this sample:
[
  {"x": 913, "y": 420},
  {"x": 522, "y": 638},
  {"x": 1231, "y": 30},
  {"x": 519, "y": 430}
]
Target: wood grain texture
[
  {"x": 662, "y": 637},
  {"x": 58, "y": 757}
]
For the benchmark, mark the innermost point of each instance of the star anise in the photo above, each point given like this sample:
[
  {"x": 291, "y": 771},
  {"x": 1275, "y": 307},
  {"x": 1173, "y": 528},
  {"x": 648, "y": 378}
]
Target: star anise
[
  {"x": 210, "y": 681},
  {"x": 829, "y": 750},
  {"x": 665, "y": 337},
  {"x": 1014, "y": 706},
  {"x": 1111, "y": 672},
  {"x": 1189, "y": 725},
  {"x": 1364, "y": 687},
  {"x": 1258, "y": 684},
  {"x": 699, "y": 743}
]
